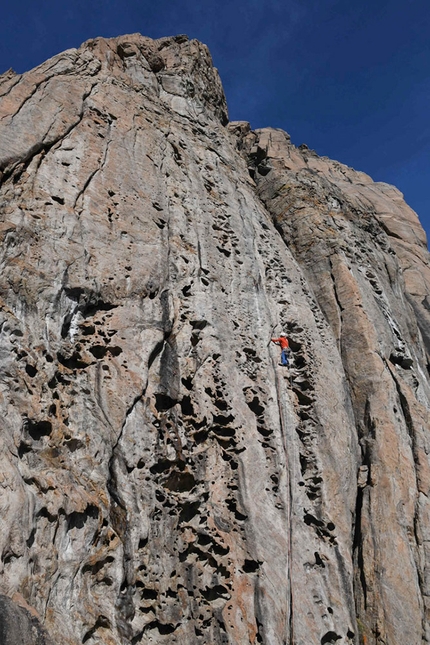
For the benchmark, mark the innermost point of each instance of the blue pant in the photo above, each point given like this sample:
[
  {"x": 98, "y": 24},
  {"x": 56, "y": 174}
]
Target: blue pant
[{"x": 284, "y": 357}]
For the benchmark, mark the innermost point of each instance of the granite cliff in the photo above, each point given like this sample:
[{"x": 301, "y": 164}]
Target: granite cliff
[{"x": 163, "y": 479}]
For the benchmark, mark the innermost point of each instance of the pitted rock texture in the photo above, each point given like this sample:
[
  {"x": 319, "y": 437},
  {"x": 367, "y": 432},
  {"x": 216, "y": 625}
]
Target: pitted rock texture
[{"x": 163, "y": 479}]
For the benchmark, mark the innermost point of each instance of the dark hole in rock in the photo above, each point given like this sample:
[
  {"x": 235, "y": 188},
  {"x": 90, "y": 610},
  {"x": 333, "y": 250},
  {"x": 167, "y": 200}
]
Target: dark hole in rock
[
  {"x": 23, "y": 448},
  {"x": 189, "y": 510},
  {"x": 148, "y": 594},
  {"x": 77, "y": 520},
  {"x": 310, "y": 520},
  {"x": 52, "y": 409},
  {"x": 302, "y": 398},
  {"x": 98, "y": 351},
  {"x": 231, "y": 505},
  {"x": 221, "y": 404},
  {"x": 223, "y": 432},
  {"x": 115, "y": 351},
  {"x": 171, "y": 593},
  {"x": 222, "y": 420},
  {"x": 320, "y": 563},
  {"x": 350, "y": 634},
  {"x": 142, "y": 543},
  {"x": 161, "y": 466},
  {"x": 226, "y": 442},
  {"x": 200, "y": 437},
  {"x": 330, "y": 637},
  {"x": 259, "y": 638},
  {"x": 74, "y": 293},
  {"x": 30, "y": 539},
  {"x": 198, "y": 324},
  {"x": 212, "y": 593},
  {"x": 313, "y": 494},
  {"x": 106, "y": 581},
  {"x": 203, "y": 539},
  {"x": 52, "y": 383},
  {"x": 187, "y": 290},
  {"x": 197, "y": 424},
  {"x": 331, "y": 526},
  {"x": 252, "y": 355},
  {"x": 304, "y": 415},
  {"x": 91, "y": 307},
  {"x": 164, "y": 402},
  {"x": 88, "y": 330},
  {"x": 403, "y": 361},
  {"x": 194, "y": 339},
  {"x": 186, "y": 406},
  {"x": 57, "y": 199},
  {"x": 180, "y": 481},
  {"x": 163, "y": 628},
  {"x": 256, "y": 406},
  {"x": 187, "y": 382},
  {"x": 304, "y": 463},
  {"x": 265, "y": 432},
  {"x": 66, "y": 325},
  {"x": 46, "y": 514},
  {"x": 95, "y": 567},
  {"x": 303, "y": 384},
  {"x": 251, "y": 566},
  {"x": 31, "y": 370},
  {"x": 224, "y": 251},
  {"x": 294, "y": 344},
  {"x": 38, "y": 429},
  {"x": 299, "y": 361},
  {"x": 73, "y": 362}
]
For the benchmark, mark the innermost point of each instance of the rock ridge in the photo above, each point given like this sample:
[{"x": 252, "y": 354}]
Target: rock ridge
[{"x": 163, "y": 478}]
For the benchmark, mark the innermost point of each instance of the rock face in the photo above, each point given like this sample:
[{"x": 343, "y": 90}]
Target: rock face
[{"x": 163, "y": 479}]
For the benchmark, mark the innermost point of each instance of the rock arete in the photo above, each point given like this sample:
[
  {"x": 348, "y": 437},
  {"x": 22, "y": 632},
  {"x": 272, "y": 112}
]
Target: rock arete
[{"x": 163, "y": 479}]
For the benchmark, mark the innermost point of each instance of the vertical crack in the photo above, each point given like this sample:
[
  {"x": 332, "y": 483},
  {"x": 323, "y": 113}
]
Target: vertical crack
[{"x": 289, "y": 519}]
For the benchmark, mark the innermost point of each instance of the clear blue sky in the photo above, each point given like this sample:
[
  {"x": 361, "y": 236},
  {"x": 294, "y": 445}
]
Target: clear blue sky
[{"x": 349, "y": 79}]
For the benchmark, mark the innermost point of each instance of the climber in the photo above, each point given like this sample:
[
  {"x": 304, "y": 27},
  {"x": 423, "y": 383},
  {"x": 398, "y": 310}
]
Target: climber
[{"x": 282, "y": 341}]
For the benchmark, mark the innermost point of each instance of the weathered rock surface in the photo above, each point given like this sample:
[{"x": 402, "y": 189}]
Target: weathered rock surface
[{"x": 163, "y": 479}]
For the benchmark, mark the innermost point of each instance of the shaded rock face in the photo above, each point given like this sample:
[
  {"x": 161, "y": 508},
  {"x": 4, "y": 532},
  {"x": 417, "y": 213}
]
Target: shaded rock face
[
  {"x": 163, "y": 479},
  {"x": 18, "y": 626}
]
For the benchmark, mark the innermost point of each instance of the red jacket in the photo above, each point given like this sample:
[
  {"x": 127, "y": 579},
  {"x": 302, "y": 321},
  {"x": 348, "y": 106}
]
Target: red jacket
[{"x": 282, "y": 341}]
